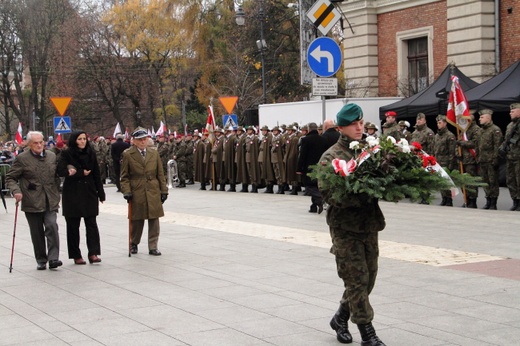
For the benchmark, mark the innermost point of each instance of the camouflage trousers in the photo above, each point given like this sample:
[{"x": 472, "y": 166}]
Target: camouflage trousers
[
  {"x": 181, "y": 170},
  {"x": 356, "y": 261},
  {"x": 513, "y": 178},
  {"x": 473, "y": 171},
  {"x": 277, "y": 167},
  {"x": 489, "y": 174}
]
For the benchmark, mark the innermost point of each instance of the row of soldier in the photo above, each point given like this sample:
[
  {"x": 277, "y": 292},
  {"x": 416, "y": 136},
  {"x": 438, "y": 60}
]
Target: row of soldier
[{"x": 478, "y": 152}]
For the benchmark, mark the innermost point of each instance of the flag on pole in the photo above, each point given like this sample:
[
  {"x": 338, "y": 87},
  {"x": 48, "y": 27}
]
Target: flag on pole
[
  {"x": 58, "y": 138},
  {"x": 19, "y": 137},
  {"x": 458, "y": 108},
  {"x": 160, "y": 130},
  {"x": 117, "y": 130},
  {"x": 210, "y": 123},
  {"x": 185, "y": 129},
  {"x": 127, "y": 134}
]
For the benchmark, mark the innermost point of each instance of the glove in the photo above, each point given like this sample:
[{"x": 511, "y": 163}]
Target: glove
[
  {"x": 128, "y": 197},
  {"x": 164, "y": 197}
]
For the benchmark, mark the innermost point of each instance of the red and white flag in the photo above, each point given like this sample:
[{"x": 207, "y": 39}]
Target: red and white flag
[
  {"x": 458, "y": 108},
  {"x": 19, "y": 137},
  {"x": 116, "y": 130},
  {"x": 160, "y": 130},
  {"x": 127, "y": 134},
  {"x": 210, "y": 123}
]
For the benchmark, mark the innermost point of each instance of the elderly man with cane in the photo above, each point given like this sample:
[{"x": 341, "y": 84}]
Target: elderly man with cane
[{"x": 32, "y": 179}]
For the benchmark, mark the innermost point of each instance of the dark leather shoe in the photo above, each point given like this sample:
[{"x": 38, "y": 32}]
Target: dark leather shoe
[
  {"x": 79, "y": 261},
  {"x": 94, "y": 259},
  {"x": 53, "y": 264},
  {"x": 133, "y": 249},
  {"x": 41, "y": 266},
  {"x": 154, "y": 252}
]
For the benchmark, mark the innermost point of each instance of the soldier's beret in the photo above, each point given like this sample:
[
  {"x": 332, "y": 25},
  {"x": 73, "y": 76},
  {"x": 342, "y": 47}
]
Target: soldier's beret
[
  {"x": 421, "y": 116},
  {"x": 348, "y": 114},
  {"x": 486, "y": 111},
  {"x": 390, "y": 114},
  {"x": 515, "y": 106},
  {"x": 441, "y": 117},
  {"x": 139, "y": 133}
]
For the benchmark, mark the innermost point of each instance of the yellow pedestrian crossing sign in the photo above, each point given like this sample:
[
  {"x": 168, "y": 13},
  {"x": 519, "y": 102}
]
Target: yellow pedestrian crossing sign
[
  {"x": 62, "y": 125},
  {"x": 323, "y": 15}
]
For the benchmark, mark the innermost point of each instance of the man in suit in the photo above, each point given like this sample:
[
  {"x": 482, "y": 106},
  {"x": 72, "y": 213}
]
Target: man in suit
[
  {"x": 312, "y": 147},
  {"x": 144, "y": 185},
  {"x": 116, "y": 150}
]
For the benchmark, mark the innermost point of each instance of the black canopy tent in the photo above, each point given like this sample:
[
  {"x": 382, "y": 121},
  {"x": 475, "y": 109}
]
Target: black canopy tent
[
  {"x": 433, "y": 100},
  {"x": 498, "y": 92}
]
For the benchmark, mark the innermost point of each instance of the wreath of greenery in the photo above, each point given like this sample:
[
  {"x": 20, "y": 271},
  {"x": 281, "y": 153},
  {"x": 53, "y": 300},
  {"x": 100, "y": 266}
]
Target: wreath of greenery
[{"x": 390, "y": 171}]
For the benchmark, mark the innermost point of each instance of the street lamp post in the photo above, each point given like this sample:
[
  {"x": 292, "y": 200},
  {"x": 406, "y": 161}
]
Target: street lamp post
[{"x": 240, "y": 19}]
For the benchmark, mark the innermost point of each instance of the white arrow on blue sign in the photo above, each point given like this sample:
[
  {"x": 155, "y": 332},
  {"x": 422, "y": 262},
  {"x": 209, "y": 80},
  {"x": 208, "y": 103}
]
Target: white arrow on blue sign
[{"x": 324, "y": 56}]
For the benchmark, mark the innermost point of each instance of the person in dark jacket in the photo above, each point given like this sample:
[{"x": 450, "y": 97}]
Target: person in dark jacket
[
  {"x": 116, "y": 150},
  {"x": 330, "y": 132},
  {"x": 312, "y": 147},
  {"x": 82, "y": 192}
]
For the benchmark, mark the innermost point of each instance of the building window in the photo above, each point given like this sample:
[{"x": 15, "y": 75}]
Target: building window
[
  {"x": 418, "y": 65},
  {"x": 414, "y": 60}
]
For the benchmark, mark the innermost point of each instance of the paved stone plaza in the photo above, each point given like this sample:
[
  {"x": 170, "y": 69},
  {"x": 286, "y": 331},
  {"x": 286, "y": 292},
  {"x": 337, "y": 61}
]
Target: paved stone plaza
[{"x": 254, "y": 269}]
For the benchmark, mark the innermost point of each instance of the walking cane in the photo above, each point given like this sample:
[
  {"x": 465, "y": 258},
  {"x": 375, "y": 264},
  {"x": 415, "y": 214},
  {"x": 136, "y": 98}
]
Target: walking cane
[
  {"x": 130, "y": 228},
  {"x": 14, "y": 235}
]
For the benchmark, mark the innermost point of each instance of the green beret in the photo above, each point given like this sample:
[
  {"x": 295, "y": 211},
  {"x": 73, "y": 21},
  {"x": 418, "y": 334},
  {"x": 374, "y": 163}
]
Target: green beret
[{"x": 348, "y": 114}]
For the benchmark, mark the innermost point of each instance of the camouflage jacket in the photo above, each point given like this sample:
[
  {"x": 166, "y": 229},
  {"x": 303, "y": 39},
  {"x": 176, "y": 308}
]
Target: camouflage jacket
[
  {"x": 488, "y": 144},
  {"x": 424, "y": 136},
  {"x": 513, "y": 140},
  {"x": 358, "y": 213},
  {"x": 444, "y": 148},
  {"x": 469, "y": 146},
  {"x": 391, "y": 130}
]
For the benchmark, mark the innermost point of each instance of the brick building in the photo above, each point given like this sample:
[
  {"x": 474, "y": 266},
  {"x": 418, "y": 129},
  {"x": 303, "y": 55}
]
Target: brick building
[{"x": 400, "y": 46}]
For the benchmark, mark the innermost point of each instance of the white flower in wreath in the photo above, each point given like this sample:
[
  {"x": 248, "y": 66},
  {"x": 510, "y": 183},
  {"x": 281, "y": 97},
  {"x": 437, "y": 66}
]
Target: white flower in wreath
[
  {"x": 404, "y": 142},
  {"x": 354, "y": 145},
  {"x": 391, "y": 139},
  {"x": 406, "y": 149},
  {"x": 372, "y": 141}
]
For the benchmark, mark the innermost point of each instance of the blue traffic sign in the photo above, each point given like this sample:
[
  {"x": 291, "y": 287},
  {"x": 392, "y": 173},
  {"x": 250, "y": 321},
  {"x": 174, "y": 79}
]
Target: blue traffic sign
[
  {"x": 230, "y": 120},
  {"x": 324, "y": 56},
  {"x": 62, "y": 125}
]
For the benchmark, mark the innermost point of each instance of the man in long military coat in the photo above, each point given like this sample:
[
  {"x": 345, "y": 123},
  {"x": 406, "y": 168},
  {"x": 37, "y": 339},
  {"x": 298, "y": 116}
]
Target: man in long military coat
[
  {"x": 198, "y": 160},
  {"x": 277, "y": 148},
  {"x": 240, "y": 159},
  {"x": 291, "y": 159},
  {"x": 217, "y": 156},
  {"x": 253, "y": 168},
  {"x": 143, "y": 184},
  {"x": 264, "y": 160},
  {"x": 229, "y": 158}
]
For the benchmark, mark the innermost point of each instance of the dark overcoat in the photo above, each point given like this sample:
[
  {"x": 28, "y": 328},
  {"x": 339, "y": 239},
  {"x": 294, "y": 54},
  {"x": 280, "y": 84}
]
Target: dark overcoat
[
  {"x": 312, "y": 147},
  {"x": 145, "y": 180},
  {"x": 81, "y": 193}
]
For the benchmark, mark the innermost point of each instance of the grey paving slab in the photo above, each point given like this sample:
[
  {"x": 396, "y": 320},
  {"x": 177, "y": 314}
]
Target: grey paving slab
[{"x": 245, "y": 273}]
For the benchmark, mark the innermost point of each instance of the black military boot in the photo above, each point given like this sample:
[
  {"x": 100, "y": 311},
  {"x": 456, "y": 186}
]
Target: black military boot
[
  {"x": 280, "y": 190},
  {"x": 443, "y": 202},
  {"x": 488, "y": 203},
  {"x": 232, "y": 188},
  {"x": 339, "y": 323},
  {"x": 286, "y": 187},
  {"x": 449, "y": 202},
  {"x": 190, "y": 182},
  {"x": 515, "y": 204},
  {"x": 269, "y": 188},
  {"x": 222, "y": 187},
  {"x": 294, "y": 191},
  {"x": 493, "y": 203},
  {"x": 472, "y": 203},
  {"x": 368, "y": 335},
  {"x": 254, "y": 188},
  {"x": 181, "y": 184},
  {"x": 202, "y": 186},
  {"x": 244, "y": 188}
]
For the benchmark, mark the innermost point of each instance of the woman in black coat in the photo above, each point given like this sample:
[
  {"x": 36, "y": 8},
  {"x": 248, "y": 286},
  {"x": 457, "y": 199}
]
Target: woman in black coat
[{"x": 82, "y": 191}]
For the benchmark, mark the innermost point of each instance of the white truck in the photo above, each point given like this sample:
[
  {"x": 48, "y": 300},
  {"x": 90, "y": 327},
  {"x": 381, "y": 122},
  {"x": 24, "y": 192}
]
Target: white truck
[{"x": 276, "y": 114}]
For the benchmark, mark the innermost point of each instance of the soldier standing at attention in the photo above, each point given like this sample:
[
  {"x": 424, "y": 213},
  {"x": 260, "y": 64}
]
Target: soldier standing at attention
[
  {"x": 291, "y": 159},
  {"x": 469, "y": 158},
  {"x": 511, "y": 150},
  {"x": 164, "y": 150},
  {"x": 444, "y": 152},
  {"x": 229, "y": 158},
  {"x": 264, "y": 160},
  {"x": 354, "y": 225},
  {"x": 189, "y": 158},
  {"x": 179, "y": 155},
  {"x": 277, "y": 158},
  {"x": 251, "y": 158},
  {"x": 390, "y": 127},
  {"x": 403, "y": 130},
  {"x": 217, "y": 157},
  {"x": 423, "y": 134},
  {"x": 487, "y": 156}
]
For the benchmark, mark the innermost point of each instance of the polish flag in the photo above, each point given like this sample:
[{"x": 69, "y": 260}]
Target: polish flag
[
  {"x": 160, "y": 130},
  {"x": 117, "y": 130},
  {"x": 19, "y": 137},
  {"x": 458, "y": 107},
  {"x": 210, "y": 123}
]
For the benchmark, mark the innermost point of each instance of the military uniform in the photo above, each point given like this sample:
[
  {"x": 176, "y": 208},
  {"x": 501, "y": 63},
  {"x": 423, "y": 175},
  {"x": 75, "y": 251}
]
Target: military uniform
[
  {"x": 217, "y": 157},
  {"x": 291, "y": 161},
  {"x": 229, "y": 159},
  {"x": 189, "y": 159},
  {"x": 163, "y": 148},
  {"x": 354, "y": 224},
  {"x": 179, "y": 155},
  {"x": 444, "y": 152},
  {"x": 469, "y": 160},
  {"x": 277, "y": 146},
  {"x": 264, "y": 160},
  {"x": 198, "y": 161},
  {"x": 511, "y": 148},
  {"x": 251, "y": 159},
  {"x": 487, "y": 156},
  {"x": 424, "y": 136},
  {"x": 391, "y": 129}
]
